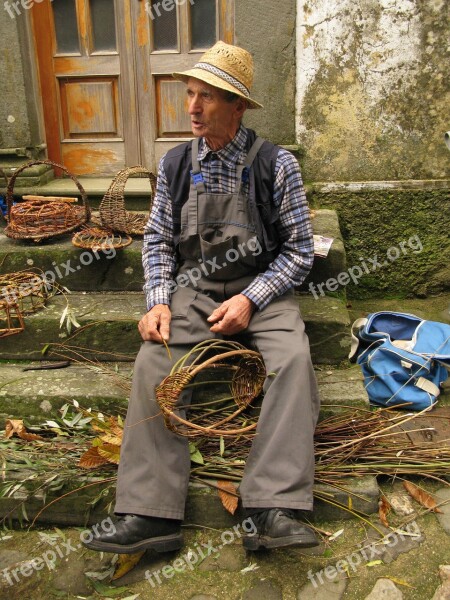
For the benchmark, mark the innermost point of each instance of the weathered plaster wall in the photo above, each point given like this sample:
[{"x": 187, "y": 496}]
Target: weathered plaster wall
[
  {"x": 373, "y": 100},
  {"x": 19, "y": 114},
  {"x": 267, "y": 30}
]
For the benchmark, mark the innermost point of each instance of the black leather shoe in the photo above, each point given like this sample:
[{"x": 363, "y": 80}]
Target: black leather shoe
[
  {"x": 134, "y": 533},
  {"x": 277, "y": 528}
]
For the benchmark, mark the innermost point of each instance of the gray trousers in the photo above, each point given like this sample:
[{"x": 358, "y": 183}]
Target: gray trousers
[{"x": 279, "y": 473}]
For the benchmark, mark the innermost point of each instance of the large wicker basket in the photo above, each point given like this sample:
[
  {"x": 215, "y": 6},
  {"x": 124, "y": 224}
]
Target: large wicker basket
[
  {"x": 44, "y": 218},
  {"x": 112, "y": 207}
]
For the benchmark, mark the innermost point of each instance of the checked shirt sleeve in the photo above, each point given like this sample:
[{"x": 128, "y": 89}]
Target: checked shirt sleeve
[
  {"x": 158, "y": 254},
  {"x": 292, "y": 265}
]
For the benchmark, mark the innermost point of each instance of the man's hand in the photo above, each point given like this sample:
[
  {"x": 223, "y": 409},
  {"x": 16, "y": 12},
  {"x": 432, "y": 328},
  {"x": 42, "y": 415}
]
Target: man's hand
[
  {"x": 155, "y": 325},
  {"x": 233, "y": 315}
]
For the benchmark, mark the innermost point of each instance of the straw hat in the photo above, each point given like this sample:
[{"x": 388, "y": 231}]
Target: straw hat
[{"x": 227, "y": 68}]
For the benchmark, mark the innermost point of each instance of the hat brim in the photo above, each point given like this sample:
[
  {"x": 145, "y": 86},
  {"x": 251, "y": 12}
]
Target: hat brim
[{"x": 215, "y": 81}]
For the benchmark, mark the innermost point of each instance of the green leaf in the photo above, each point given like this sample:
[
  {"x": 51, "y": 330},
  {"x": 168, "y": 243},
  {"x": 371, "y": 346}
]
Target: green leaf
[
  {"x": 45, "y": 349},
  {"x": 105, "y": 590},
  {"x": 196, "y": 455},
  {"x": 374, "y": 563}
]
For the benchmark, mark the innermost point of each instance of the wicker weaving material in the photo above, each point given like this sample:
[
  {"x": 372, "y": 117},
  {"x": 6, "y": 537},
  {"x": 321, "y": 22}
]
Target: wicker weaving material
[
  {"x": 21, "y": 293},
  {"x": 247, "y": 381},
  {"x": 98, "y": 238},
  {"x": 112, "y": 207},
  {"x": 11, "y": 320},
  {"x": 40, "y": 219}
]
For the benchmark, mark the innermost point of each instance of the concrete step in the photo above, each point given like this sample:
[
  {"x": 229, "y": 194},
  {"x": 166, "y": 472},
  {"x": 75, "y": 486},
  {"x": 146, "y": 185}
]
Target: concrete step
[
  {"x": 37, "y": 395},
  {"x": 80, "y": 270},
  {"x": 109, "y": 324}
]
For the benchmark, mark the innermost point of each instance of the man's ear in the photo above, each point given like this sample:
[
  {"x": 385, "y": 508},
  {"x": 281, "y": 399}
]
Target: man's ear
[{"x": 241, "y": 106}]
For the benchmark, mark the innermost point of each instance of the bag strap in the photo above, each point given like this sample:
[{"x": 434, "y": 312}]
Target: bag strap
[
  {"x": 356, "y": 327},
  {"x": 428, "y": 386}
]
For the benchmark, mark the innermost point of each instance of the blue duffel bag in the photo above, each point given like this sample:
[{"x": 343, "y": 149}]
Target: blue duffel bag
[{"x": 404, "y": 359}]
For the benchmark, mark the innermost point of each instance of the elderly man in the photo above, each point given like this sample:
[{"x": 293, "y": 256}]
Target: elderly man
[{"x": 228, "y": 239}]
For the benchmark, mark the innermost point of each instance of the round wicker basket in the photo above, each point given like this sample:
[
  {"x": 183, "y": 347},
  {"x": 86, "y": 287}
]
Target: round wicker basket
[
  {"x": 100, "y": 239},
  {"x": 40, "y": 219}
]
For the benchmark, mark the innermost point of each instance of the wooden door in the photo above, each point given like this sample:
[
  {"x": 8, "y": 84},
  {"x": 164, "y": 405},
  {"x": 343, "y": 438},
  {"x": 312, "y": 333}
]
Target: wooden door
[
  {"x": 171, "y": 36},
  {"x": 86, "y": 56},
  {"x": 105, "y": 67}
]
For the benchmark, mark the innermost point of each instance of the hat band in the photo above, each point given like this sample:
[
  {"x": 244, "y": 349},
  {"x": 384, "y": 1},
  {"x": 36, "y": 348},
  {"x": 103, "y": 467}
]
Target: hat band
[{"x": 223, "y": 75}]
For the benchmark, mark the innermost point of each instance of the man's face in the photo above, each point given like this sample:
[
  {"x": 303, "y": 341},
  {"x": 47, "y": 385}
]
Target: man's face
[{"x": 212, "y": 117}]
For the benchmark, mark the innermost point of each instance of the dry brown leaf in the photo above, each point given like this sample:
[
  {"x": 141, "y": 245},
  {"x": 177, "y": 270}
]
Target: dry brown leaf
[
  {"x": 112, "y": 439},
  {"x": 16, "y": 426},
  {"x": 384, "y": 509},
  {"x": 126, "y": 563},
  {"x": 421, "y": 496},
  {"x": 110, "y": 452},
  {"x": 228, "y": 496},
  {"x": 115, "y": 428},
  {"x": 91, "y": 459}
]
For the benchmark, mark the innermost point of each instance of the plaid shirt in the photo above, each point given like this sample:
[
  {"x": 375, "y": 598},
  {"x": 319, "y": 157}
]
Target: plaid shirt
[{"x": 296, "y": 256}]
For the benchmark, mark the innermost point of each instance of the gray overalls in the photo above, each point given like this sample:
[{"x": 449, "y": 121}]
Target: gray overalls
[{"x": 216, "y": 263}]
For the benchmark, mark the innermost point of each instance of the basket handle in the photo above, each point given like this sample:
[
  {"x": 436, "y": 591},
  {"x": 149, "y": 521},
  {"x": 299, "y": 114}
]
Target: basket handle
[
  {"x": 12, "y": 181},
  {"x": 117, "y": 188}
]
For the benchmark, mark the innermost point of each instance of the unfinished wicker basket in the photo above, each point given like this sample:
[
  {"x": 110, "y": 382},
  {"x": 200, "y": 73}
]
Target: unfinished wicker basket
[
  {"x": 21, "y": 294},
  {"x": 44, "y": 218},
  {"x": 112, "y": 207},
  {"x": 248, "y": 376}
]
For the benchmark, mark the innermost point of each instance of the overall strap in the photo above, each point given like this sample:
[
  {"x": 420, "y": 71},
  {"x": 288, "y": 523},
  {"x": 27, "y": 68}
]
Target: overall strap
[
  {"x": 196, "y": 171},
  {"x": 197, "y": 186},
  {"x": 247, "y": 164}
]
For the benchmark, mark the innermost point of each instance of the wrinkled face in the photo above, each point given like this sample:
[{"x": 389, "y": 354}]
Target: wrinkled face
[{"x": 212, "y": 116}]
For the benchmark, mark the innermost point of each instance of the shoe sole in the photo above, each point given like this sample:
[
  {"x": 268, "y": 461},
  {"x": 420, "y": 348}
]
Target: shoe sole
[
  {"x": 167, "y": 543},
  {"x": 256, "y": 542}
]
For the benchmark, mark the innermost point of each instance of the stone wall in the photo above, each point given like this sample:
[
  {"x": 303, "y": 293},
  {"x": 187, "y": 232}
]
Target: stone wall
[
  {"x": 372, "y": 93},
  {"x": 19, "y": 114}
]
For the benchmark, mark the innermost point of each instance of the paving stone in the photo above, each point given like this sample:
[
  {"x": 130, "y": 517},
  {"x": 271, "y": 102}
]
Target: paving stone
[
  {"x": 401, "y": 503},
  {"x": 9, "y": 558},
  {"x": 443, "y": 591},
  {"x": 394, "y": 544},
  {"x": 444, "y": 517},
  {"x": 149, "y": 569},
  {"x": 69, "y": 576},
  {"x": 229, "y": 558},
  {"x": 264, "y": 590},
  {"x": 385, "y": 589},
  {"x": 322, "y": 588}
]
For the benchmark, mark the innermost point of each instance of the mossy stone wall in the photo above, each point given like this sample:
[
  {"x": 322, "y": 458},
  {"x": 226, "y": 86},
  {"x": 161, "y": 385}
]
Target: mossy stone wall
[{"x": 406, "y": 231}]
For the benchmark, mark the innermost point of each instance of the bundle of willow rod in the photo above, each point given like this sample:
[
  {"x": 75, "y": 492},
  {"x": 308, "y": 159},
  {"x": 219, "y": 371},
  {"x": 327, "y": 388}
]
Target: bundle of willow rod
[
  {"x": 355, "y": 443},
  {"x": 248, "y": 375}
]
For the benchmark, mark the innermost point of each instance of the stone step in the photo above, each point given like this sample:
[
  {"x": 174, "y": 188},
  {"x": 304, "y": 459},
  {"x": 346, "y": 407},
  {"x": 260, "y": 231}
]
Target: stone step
[
  {"x": 203, "y": 508},
  {"x": 111, "y": 270},
  {"x": 109, "y": 325},
  {"x": 37, "y": 395}
]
